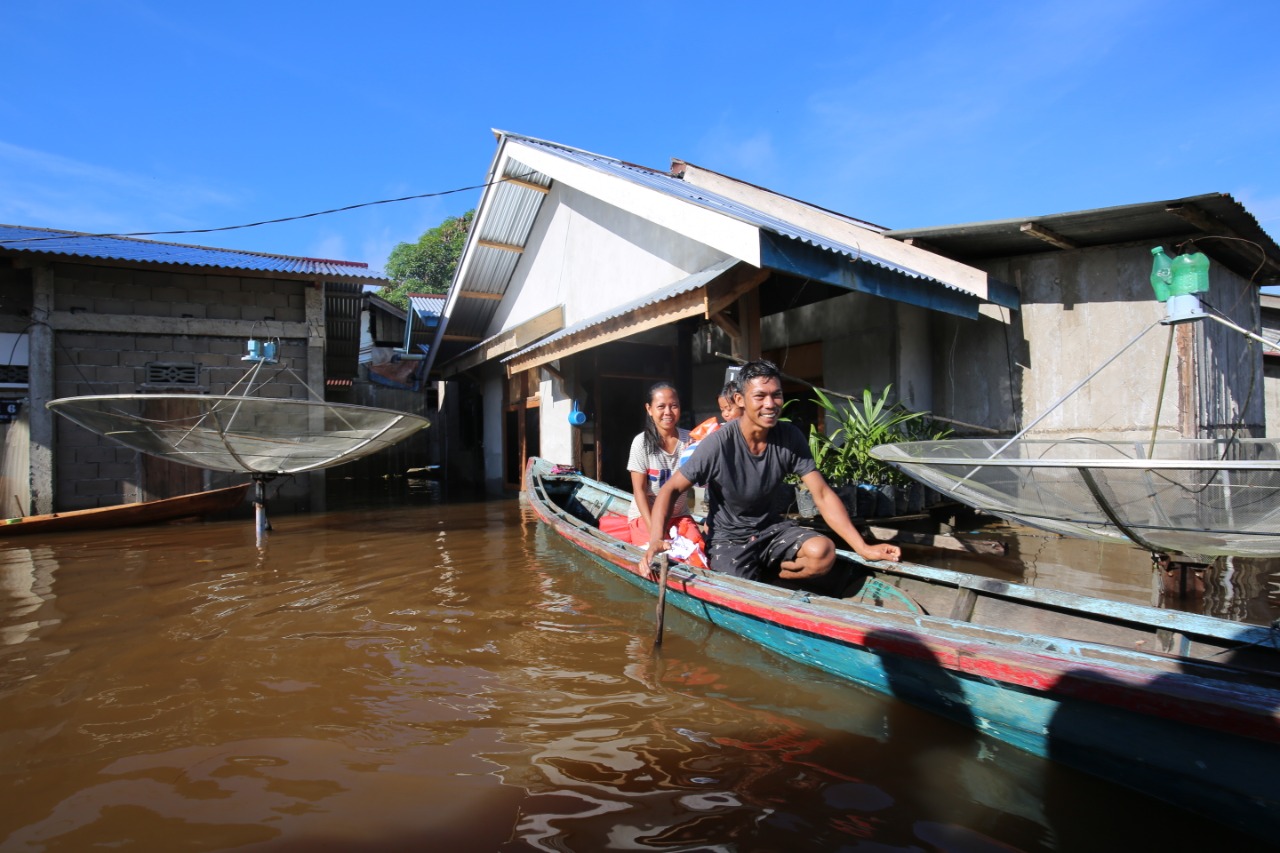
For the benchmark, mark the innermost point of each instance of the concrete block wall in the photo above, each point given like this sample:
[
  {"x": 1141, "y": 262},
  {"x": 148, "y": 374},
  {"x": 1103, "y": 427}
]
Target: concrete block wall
[
  {"x": 147, "y": 293},
  {"x": 91, "y": 470}
]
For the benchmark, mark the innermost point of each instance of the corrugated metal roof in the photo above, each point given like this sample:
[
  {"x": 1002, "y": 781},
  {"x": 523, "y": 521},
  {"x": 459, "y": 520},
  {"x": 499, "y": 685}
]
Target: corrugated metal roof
[
  {"x": 1202, "y": 217},
  {"x": 509, "y": 209},
  {"x": 691, "y": 282},
  {"x": 72, "y": 244},
  {"x": 427, "y": 307},
  {"x": 678, "y": 188}
]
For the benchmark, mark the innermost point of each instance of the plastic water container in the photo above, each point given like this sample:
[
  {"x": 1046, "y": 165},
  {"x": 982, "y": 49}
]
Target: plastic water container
[
  {"x": 1190, "y": 274},
  {"x": 1161, "y": 273}
]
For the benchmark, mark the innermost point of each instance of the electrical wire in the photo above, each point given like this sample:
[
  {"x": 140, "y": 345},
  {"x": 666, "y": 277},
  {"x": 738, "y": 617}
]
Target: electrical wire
[{"x": 348, "y": 207}]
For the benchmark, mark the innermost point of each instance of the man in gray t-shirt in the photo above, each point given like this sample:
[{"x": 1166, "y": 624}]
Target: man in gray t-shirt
[{"x": 743, "y": 463}]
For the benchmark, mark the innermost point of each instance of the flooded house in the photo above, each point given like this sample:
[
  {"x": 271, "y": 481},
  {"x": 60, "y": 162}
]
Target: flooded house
[
  {"x": 84, "y": 314},
  {"x": 1271, "y": 361},
  {"x": 1083, "y": 283},
  {"x": 586, "y": 278}
]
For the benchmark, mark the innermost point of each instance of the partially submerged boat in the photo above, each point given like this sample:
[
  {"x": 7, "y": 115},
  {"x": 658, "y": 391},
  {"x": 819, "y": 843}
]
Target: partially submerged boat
[
  {"x": 194, "y": 505},
  {"x": 1183, "y": 707}
]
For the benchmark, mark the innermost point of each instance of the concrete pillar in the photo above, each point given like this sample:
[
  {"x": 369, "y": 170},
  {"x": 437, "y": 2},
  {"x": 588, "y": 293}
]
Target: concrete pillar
[
  {"x": 41, "y": 390},
  {"x": 314, "y": 295}
]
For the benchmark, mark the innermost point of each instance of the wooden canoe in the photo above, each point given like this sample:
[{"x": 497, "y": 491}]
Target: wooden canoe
[
  {"x": 129, "y": 515},
  {"x": 1183, "y": 707}
]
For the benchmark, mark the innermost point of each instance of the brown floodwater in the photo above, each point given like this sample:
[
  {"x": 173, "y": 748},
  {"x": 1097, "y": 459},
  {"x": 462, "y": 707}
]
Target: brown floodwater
[{"x": 417, "y": 674}]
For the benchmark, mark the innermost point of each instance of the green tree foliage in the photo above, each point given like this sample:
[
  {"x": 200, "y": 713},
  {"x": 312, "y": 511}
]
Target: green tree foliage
[{"x": 427, "y": 266}]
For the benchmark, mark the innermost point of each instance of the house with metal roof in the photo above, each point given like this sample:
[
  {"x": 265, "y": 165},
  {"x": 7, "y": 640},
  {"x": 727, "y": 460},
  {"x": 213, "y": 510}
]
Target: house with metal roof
[
  {"x": 585, "y": 279},
  {"x": 93, "y": 314},
  {"x": 1271, "y": 362},
  {"x": 1083, "y": 280}
]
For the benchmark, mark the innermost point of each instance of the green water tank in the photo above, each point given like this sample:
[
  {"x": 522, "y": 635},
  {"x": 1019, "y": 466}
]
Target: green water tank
[{"x": 1190, "y": 274}]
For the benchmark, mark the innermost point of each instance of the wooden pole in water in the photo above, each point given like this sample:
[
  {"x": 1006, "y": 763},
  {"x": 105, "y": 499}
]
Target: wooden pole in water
[{"x": 664, "y": 564}]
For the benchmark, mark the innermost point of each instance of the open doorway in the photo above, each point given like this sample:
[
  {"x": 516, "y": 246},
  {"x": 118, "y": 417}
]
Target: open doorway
[{"x": 521, "y": 427}]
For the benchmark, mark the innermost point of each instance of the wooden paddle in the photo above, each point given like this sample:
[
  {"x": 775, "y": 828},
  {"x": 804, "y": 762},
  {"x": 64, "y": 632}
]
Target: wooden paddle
[{"x": 663, "y": 563}]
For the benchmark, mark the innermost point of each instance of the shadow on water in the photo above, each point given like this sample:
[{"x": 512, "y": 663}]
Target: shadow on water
[{"x": 1079, "y": 811}]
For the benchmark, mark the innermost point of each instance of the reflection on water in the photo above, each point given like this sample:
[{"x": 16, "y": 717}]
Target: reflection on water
[
  {"x": 1239, "y": 589},
  {"x": 448, "y": 676}
]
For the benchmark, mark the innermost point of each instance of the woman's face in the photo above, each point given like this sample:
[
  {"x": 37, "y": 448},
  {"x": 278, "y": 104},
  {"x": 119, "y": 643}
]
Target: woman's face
[{"x": 664, "y": 408}]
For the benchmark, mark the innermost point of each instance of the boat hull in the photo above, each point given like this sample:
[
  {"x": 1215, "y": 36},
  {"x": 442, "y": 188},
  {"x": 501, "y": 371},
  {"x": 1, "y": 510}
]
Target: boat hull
[
  {"x": 129, "y": 515},
  {"x": 1198, "y": 735}
]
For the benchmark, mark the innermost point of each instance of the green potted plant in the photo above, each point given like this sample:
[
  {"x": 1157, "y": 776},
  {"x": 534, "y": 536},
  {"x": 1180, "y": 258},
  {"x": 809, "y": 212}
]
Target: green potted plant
[{"x": 843, "y": 455}]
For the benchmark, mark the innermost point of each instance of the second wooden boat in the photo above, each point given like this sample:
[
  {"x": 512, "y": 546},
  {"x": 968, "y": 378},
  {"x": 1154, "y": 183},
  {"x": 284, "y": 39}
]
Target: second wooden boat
[{"x": 129, "y": 515}]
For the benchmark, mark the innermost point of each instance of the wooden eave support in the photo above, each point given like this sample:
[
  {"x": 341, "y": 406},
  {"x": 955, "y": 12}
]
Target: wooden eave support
[
  {"x": 925, "y": 245},
  {"x": 551, "y": 320},
  {"x": 476, "y": 294},
  {"x": 1047, "y": 235},
  {"x": 504, "y": 247},
  {"x": 738, "y": 286},
  {"x": 529, "y": 185},
  {"x": 731, "y": 287},
  {"x": 727, "y": 325},
  {"x": 708, "y": 301},
  {"x": 1211, "y": 225}
]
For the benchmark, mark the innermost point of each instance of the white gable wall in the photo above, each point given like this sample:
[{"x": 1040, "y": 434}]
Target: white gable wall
[{"x": 590, "y": 256}]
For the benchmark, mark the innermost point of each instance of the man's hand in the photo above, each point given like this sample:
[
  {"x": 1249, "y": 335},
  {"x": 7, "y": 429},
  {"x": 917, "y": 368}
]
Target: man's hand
[
  {"x": 645, "y": 565},
  {"x": 891, "y": 553}
]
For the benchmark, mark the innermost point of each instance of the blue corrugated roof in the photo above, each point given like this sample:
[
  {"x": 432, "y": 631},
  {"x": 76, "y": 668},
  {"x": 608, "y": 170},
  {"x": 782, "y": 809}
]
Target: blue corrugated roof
[
  {"x": 428, "y": 308},
  {"x": 16, "y": 238},
  {"x": 704, "y": 198}
]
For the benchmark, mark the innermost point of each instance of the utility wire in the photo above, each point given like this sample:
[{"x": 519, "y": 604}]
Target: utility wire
[{"x": 266, "y": 221}]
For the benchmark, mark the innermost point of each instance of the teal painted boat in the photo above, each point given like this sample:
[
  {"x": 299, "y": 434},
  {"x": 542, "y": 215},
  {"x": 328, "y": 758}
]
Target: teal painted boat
[{"x": 1183, "y": 707}]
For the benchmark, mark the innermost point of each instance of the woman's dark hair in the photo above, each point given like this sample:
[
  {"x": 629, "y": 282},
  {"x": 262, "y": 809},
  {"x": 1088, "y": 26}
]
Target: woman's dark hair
[{"x": 653, "y": 441}]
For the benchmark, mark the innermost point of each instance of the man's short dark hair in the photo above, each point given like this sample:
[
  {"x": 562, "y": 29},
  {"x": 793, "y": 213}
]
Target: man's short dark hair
[{"x": 758, "y": 369}]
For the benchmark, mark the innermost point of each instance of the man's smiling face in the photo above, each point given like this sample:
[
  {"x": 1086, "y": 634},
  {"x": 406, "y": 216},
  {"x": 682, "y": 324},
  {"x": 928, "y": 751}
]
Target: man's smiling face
[{"x": 762, "y": 401}]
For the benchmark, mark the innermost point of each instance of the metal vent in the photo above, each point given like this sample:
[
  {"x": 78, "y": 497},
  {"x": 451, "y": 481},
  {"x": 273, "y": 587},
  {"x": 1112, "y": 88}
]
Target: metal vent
[
  {"x": 13, "y": 374},
  {"x": 165, "y": 373}
]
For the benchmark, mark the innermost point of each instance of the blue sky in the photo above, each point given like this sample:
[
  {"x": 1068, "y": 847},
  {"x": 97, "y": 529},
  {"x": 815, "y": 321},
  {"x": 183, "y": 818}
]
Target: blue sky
[{"x": 146, "y": 116}]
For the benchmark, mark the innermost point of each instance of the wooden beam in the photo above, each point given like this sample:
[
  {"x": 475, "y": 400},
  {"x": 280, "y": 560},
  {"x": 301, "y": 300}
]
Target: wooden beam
[
  {"x": 926, "y": 246},
  {"x": 476, "y": 294},
  {"x": 514, "y": 338},
  {"x": 678, "y": 307},
  {"x": 1210, "y": 224},
  {"x": 732, "y": 286},
  {"x": 729, "y": 327},
  {"x": 505, "y": 247},
  {"x": 471, "y": 338},
  {"x": 1051, "y": 237},
  {"x": 529, "y": 185},
  {"x": 749, "y": 318},
  {"x": 1199, "y": 219}
]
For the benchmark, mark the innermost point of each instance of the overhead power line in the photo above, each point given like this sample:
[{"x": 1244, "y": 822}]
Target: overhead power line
[{"x": 267, "y": 221}]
